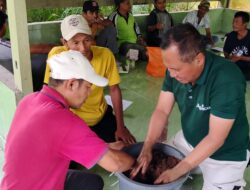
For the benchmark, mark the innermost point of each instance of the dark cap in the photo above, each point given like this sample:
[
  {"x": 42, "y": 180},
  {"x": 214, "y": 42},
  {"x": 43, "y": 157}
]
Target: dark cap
[{"x": 91, "y": 6}]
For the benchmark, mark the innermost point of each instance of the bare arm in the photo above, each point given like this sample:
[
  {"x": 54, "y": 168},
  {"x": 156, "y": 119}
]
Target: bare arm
[
  {"x": 122, "y": 133},
  {"x": 236, "y": 58},
  {"x": 226, "y": 55},
  {"x": 218, "y": 132},
  {"x": 209, "y": 36},
  {"x": 239, "y": 58},
  {"x": 157, "y": 123},
  {"x": 116, "y": 161}
]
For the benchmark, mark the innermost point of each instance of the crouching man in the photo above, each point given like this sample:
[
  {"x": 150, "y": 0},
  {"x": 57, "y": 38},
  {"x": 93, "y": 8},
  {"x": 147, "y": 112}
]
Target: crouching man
[{"x": 45, "y": 135}]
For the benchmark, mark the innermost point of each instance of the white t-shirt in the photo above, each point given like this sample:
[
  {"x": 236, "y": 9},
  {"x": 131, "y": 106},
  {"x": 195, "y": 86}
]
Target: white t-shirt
[
  {"x": 192, "y": 18},
  {"x": 5, "y": 49}
]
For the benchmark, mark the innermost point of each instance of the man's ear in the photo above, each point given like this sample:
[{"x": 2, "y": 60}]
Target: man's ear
[
  {"x": 63, "y": 41},
  {"x": 71, "y": 84},
  {"x": 200, "y": 59}
]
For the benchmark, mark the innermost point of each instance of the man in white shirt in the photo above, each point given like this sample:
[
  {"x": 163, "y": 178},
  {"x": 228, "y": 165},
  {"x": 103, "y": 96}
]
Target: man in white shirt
[{"x": 199, "y": 19}]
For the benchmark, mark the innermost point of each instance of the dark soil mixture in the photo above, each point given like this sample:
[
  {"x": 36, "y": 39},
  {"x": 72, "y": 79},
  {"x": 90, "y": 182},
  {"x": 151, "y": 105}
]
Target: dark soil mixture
[{"x": 158, "y": 165}]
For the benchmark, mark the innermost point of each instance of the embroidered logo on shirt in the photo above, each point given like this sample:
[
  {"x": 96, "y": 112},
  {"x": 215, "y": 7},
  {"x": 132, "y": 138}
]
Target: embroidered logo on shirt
[{"x": 202, "y": 107}]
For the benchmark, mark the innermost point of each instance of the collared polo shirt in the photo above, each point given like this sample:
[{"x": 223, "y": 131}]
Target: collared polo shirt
[
  {"x": 44, "y": 137},
  {"x": 220, "y": 90}
]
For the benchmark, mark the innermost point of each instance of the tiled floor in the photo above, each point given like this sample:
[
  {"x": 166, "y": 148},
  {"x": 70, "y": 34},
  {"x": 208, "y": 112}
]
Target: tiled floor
[{"x": 143, "y": 90}]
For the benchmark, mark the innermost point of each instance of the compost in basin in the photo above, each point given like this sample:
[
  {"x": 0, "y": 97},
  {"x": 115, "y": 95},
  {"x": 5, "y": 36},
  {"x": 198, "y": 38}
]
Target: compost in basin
[{"x": 159, "y": 163}]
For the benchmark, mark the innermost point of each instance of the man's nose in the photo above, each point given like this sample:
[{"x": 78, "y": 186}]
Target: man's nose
[{"x": 82, "y": 47}]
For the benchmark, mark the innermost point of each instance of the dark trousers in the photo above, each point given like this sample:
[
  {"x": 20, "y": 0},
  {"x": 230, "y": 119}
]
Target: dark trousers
[
  {"x": 125, "y": 47},
  {"x": 106, "y": 128},
  {"x": 245, "y": 68},
  {"x": 83, "y": 180}
]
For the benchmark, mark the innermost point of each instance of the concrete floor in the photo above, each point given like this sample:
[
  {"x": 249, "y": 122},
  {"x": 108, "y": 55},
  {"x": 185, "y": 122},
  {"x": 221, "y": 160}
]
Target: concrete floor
[{"x": 144, "y": 90}]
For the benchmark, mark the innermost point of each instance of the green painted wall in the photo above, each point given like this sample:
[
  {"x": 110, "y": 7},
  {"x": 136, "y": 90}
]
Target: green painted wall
[
  {"x": 227, "y": 19},
  {"x": 44, "y": 32}
]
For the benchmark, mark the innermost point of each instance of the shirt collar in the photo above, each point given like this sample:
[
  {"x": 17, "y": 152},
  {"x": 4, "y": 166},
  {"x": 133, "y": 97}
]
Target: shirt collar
[
  {"x": 54, "y": 95},
  {"x": 208, "y": 62}
]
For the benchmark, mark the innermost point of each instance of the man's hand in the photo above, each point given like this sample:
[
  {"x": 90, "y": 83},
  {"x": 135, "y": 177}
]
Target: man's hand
[
  {"x": 234, "y": 58},
  {"x": 172, "y": 174},
  {"x": 167, "y": 177},
  {"x": 124, "y": 135},
  {"x": 159, "y": 26},
  {"x": 142, "y": 163},
  {"x": 141, "y": 41}
]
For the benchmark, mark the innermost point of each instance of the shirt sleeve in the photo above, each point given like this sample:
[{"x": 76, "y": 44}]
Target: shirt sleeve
[
  {"x": 151, "y": 20},
  {"x": 227, "y": 99},
  {"x": 112, "y": 73},
  {"x": 188, "y": 18},
  {"x": 82, "y": 145},
  {"x": 137, "y": 29},
  {"x": 5, "y": 50},
  {"x": 226, "y": 47},
  {"x": 167, "y": 83},
  {"x": 206, "y": 21}
]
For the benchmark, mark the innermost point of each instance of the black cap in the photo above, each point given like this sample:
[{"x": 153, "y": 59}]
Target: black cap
[{"x": 91, "y": 6}]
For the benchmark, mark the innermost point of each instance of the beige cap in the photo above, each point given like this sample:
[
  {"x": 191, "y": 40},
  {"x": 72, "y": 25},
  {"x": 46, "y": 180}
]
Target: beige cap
[
  {"x": 73, "y": 65},
  {"x": 74, "y": 24}
]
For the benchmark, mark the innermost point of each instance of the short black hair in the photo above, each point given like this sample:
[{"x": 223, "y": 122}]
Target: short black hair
[
  {"x": 3, "y": 19},
  {"x": 155, "y": 1},
  {"x": 118, "y": 2},
  {"x": 187, "y": 39},
  {"x": 90, "y": 5},
  {"x": 243, "y": 15}
]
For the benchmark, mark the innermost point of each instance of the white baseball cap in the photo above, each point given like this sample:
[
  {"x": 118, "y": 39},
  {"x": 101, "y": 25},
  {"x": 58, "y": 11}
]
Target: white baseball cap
[
  {"x": 73, "y": 65},
  {"x": 74, "y": 24}
]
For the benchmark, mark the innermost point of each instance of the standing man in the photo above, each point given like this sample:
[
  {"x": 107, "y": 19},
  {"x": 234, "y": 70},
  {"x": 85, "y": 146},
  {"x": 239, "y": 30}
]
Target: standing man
[
  {"x": 103, "y": 30},
  {"x": 237, "y": 44},
  {"x": 45, "y": 135},
  {"x": 95, "y": 111},
  {"x": 200, "y": 19},
  {"x": 210, "y": 93}
]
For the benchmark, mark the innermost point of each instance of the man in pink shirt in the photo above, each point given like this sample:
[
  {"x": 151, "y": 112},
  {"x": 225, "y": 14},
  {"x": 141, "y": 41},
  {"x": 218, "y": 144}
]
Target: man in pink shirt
[{"x": 45, "y": 135}]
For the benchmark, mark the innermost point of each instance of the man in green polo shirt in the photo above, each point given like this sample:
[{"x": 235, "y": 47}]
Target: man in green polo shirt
[{"x": 210, "y": 94}]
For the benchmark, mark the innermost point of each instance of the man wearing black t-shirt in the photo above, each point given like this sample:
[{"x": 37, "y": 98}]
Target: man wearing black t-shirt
[{"x": 237, "y": 44}]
